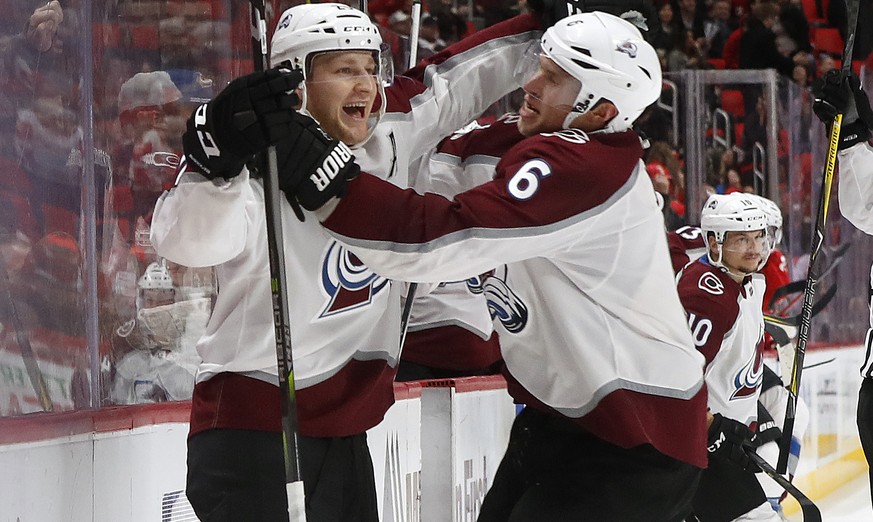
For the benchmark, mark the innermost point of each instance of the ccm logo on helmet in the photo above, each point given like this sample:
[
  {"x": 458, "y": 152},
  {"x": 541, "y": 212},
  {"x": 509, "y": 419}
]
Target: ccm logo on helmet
[
  {"x": 330, "y": 167},
  {"x": 359, "y": 29}
]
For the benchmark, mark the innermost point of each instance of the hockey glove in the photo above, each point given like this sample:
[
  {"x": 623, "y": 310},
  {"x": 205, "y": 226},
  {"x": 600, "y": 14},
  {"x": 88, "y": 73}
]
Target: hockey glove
[
  {"x": 731, "y": 440},
  {"x": 550, "y": 11},
  {"x": 250, "y": 114},
  {"x": 313, "y": 167},
  {"x": 845, "y": 97}
]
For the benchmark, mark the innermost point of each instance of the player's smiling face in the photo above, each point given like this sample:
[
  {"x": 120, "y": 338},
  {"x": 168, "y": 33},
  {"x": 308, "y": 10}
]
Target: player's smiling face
[
  {"x": 548, "y": 98},
  {"x": 341, "y": 90}
]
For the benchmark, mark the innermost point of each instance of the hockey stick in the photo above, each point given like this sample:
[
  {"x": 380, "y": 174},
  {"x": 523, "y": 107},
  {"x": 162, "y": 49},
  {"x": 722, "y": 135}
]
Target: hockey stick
[
  {"x": 783, "y": 329},
  {"x": 27, "y": 354},
  {"x": 794, "y": 320},
  {"x": 810, "y": 511},
  {"x": 817, "y": 242},
  {"x": 404, "y": 319},
  {"x": 820, "y": 363},
  {"x": 835, "y": 256},
  {"x": 414, "y": 31},
  {"x": 278, "y": 286}
]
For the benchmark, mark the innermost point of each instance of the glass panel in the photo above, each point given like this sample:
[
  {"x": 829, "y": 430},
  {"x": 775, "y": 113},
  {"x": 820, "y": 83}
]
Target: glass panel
[
  {"x": 762, "y": 127},
  {"x": 44, "y": 362}
]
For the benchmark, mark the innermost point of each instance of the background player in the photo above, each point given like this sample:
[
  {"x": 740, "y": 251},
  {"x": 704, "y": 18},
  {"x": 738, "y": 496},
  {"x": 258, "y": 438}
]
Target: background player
[{"x": 722, "y": 295}]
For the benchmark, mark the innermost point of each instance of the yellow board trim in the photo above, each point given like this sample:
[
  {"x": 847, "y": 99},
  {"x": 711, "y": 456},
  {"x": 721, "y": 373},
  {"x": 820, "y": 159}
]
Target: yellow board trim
[{"x": 822, "y": 481}]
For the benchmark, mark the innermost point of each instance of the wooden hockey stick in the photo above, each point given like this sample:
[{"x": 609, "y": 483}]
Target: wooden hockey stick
[
  {"x": 278, "y": 286},
  {"x": 810, "y": 511},
  {"x": 817, "y": 243}
]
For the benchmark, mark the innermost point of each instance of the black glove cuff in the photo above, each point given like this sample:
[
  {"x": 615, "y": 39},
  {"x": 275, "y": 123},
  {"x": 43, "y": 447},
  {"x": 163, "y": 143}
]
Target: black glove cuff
[{"x": 853, "y": 134}]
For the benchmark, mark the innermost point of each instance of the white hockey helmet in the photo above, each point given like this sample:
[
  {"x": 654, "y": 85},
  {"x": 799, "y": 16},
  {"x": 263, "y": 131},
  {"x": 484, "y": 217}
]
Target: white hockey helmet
[
  {"x": 155, "y": 286},
  {"x": 610, "y": 58},
  {"x": 737, "y": 212},
  {"x": 774, "y": 218},
  {"x": 307, "y": 30}
]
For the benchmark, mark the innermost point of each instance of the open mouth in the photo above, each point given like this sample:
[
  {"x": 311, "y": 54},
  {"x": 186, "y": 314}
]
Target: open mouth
[
  {"x": 355, "y": 110},
  {"x": 528, "y": 108}
]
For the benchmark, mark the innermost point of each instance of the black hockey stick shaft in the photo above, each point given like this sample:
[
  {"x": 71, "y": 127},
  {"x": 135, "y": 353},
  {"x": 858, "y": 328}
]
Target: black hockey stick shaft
[
  {"x": 404, "y": 318},
  {"x": 834, "y": 257},
  {"x": 794, "y": 320},
  {"x": 817, "y": 243},
  {"x": 810, "y": 511},
  {"x": 278, "y": 287},
  {"x": 27, "y": 354}
]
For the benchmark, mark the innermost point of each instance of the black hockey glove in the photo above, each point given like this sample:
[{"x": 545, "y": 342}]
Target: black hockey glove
[
  {"x": 833, "y": 96},
  {"x": 250, "y": 114},
  {"x": 767, "y": 429},
  {"x": 550, "y": 11},
  {"x": 731, "y": 440},
  {"x": 313, "y": 167}
]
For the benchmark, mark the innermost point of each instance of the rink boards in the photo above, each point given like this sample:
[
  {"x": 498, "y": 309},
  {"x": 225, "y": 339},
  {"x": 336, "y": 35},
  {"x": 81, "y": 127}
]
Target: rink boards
[{"x": 434, "y": 455}]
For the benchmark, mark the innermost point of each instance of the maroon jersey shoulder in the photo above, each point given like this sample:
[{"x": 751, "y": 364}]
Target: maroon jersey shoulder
[
  {"x": 482, "y": 140},
  {"x": 711, "y": 300},
  {"x": 581, "y": 169},
  {"x": 680, "y": 241}
]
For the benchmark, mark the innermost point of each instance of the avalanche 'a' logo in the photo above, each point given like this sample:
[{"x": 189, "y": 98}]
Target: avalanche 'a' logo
[
  {"x": 748, "y": 379},
  {"x": 503, "y": 304},
  {"x": 348, "y": 282}
]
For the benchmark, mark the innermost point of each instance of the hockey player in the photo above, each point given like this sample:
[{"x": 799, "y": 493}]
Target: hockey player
[
  {"x": 345, "y": 319},
  {"x": 855, "y": 156},
  {"x": 722, "y": 295},
  {"x": 686, "y": 246},
  {"x": 593, "y": 335},
  {"x": 450, "y": 329}
]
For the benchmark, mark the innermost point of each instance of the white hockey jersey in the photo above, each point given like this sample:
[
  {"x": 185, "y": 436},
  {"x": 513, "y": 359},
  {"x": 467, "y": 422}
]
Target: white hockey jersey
[
  {"x": 341, "y": 311},
  {"x": 856, "y": 204},
  {"x": 589, "y": 319},
  {"x": 727, "y": 324},
  {"x": 856, "y": 186}
]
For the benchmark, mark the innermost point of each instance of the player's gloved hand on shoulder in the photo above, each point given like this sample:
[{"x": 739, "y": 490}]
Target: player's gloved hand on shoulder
[
  {"x": 731, "y": 440},
  {"x": 550, "y": 11},
  {"x": 250, "y": 114},
  {"x": 313, "y": 167},
  {"x": 835, "y": 95}
]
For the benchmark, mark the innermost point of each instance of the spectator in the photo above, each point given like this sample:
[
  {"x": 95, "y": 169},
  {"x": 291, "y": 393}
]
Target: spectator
[
  {"x": 452, "y": 26},
  {"x": 686, "y": 55},
  {"x": 665, "y": 29},
  {"x": 661, "y": 180},
  {"x": 717, "y": 27},
  {"x": 758, "y": 43},
  {"x": 837, "y": 17},
  {"x": 429, "y": 41},
  {"x": 793, "y": 30},
  {"x": 690, "y": 15}
]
